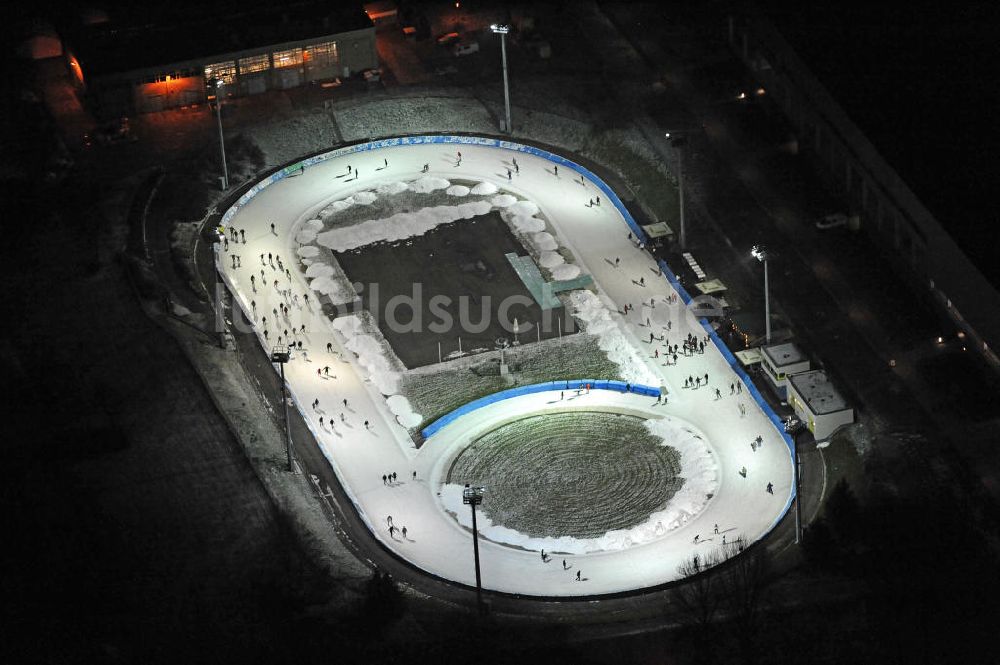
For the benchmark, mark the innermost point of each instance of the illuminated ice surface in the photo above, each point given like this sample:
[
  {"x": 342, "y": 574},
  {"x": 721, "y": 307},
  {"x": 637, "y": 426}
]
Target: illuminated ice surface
[{"x": 550, "y": 215}]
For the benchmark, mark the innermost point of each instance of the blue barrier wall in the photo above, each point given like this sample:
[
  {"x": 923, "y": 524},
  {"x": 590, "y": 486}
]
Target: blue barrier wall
[{"x": 595, "y": 384}]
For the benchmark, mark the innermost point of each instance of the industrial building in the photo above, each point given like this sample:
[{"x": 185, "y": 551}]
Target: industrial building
[{"x": 125, "y": 64}]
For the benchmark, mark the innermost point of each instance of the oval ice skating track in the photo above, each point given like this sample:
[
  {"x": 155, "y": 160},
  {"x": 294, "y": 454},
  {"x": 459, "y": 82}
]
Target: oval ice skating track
[{"x": 359, "y": 457}]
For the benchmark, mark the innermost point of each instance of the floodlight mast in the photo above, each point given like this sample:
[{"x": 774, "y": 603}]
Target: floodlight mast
[
  {"x": 502, "y": 30},
  {"x": 281, "y": 355},
  {"x": 794, "y": 427},
  {"x": 761, "y": 254},
  {"x": 677, "y": 141},
  {"x": 222, "y": 144},
  {"x": 473, "y": 496}
]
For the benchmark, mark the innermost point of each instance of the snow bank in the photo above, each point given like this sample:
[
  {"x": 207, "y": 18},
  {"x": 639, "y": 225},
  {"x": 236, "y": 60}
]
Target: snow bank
[
  {"x": 550, "y": 259},
  {"x": 332, "y": 289},
  {"x": 528, "y": 224},
  {"x": 305, "y": 236},
  {"x": 428, "y": 184},
  {"x": 308, "y": 252},
  {"x": 400, "y": 407},
  {"x": 370, "y": 352},
  {"x": 485, "y": 189},
  {"x": 458, "y": 190},
  {"x": 503, "y": 200},
  {"x": 364, "y": 198},
  {"x": 699, "y": 470},
  {"x": 597, "y": 320},
  {"x": 319, "y": 270},
  {"x": 390, "y": 188},
  {"x": 399, "y": 226},
  {"x": 526, "y": 208},
  {"x": 566, "y": 271},
  {"x": 544, "y": 242}
]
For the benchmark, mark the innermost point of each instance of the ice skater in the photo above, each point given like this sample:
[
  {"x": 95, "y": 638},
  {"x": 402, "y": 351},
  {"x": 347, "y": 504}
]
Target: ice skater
[
  {"x": 273, "y": 232},
  {"x": 509, "y": 175},
  {"x": 578, "y": 576},
  {"x": 770, "y": 488}
]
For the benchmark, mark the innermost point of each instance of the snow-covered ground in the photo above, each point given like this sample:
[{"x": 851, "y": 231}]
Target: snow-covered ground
[{"x": 364, "y": 388}]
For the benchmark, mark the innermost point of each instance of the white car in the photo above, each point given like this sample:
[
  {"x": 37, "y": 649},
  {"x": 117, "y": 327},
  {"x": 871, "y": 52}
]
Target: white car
[
  {"x": 832, "y": 221},
  {"x": 465, "y": 49}
]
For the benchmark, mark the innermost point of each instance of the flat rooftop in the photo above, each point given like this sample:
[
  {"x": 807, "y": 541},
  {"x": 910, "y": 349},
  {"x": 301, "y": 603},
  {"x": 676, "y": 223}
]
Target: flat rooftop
[
  {"x": 816, "y": 389},
  {"x": 785, "y": 354},
  {"x": 132, "y": 40}
]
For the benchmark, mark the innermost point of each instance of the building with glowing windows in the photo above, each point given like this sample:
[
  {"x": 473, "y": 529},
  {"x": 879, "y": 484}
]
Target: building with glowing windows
[{"x": 125, "y": 64}]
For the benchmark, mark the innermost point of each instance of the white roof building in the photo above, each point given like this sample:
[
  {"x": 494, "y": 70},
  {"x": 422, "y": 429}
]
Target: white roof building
[
  {"x": 818, "y": 404},
  {"x": 780, "y": 361}
]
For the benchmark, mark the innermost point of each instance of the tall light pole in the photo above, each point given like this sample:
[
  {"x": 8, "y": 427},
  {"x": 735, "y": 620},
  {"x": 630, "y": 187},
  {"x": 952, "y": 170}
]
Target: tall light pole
[
  {"x": 761, "y": 254},
  {"x": 222, "y": 144},
  {"x": 678, "y": 142},
  {"x": 220, "y": 295},
  {"x": 281, "y": 355},
  {"x": 794, "y": 427},
  {"x": 502, "y": 30},
  {"x": 473, "y": 496}
]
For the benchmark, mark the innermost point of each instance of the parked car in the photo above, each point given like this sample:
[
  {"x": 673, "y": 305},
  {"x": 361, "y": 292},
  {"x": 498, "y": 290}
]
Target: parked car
[
  {"x": 465, "y": 49},
  {"x": 447, "y": 39},
  {"x": 832, "y": 221},
  {"x": 117, "y": 131}
]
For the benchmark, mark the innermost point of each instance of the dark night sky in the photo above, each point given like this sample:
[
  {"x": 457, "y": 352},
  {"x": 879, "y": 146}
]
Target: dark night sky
[{"x": 924, "y": 86}]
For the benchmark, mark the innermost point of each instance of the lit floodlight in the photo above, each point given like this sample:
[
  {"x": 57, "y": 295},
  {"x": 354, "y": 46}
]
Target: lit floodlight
[
  {"x": 473, "y": 495},
  {"x": 500, "y": 28},
  {"x": 758, "y": 252}
]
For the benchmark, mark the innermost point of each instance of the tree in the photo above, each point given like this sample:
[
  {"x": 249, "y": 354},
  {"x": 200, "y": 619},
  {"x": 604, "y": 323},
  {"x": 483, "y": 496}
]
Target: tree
[
  {"x": 744, "y": 577},
  {"x": 699, "y": 596}
]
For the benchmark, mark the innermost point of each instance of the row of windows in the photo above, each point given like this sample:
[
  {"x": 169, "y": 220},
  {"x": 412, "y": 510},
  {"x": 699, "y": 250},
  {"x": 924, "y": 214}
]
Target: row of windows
[{"x": 315, "y": 55}]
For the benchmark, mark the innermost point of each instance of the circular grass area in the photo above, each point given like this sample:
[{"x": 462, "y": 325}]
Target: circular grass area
[{"x": 577, "y": 474}]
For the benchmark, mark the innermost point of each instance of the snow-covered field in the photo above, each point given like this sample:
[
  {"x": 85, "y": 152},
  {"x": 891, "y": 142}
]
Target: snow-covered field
[
  {"x": 367, "y": 404},
  {"x": 400, "y": 117}
]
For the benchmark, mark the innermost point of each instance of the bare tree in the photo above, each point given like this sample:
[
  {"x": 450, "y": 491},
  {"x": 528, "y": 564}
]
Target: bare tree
[
  {"x": 743, "y": 580},
  {"x": 699, "y": 595}
]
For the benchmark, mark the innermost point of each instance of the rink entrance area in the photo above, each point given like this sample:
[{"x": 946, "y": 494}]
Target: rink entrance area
[
  {"x": 452, "y": 282},
  {"x": 576, "y": 474}
]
